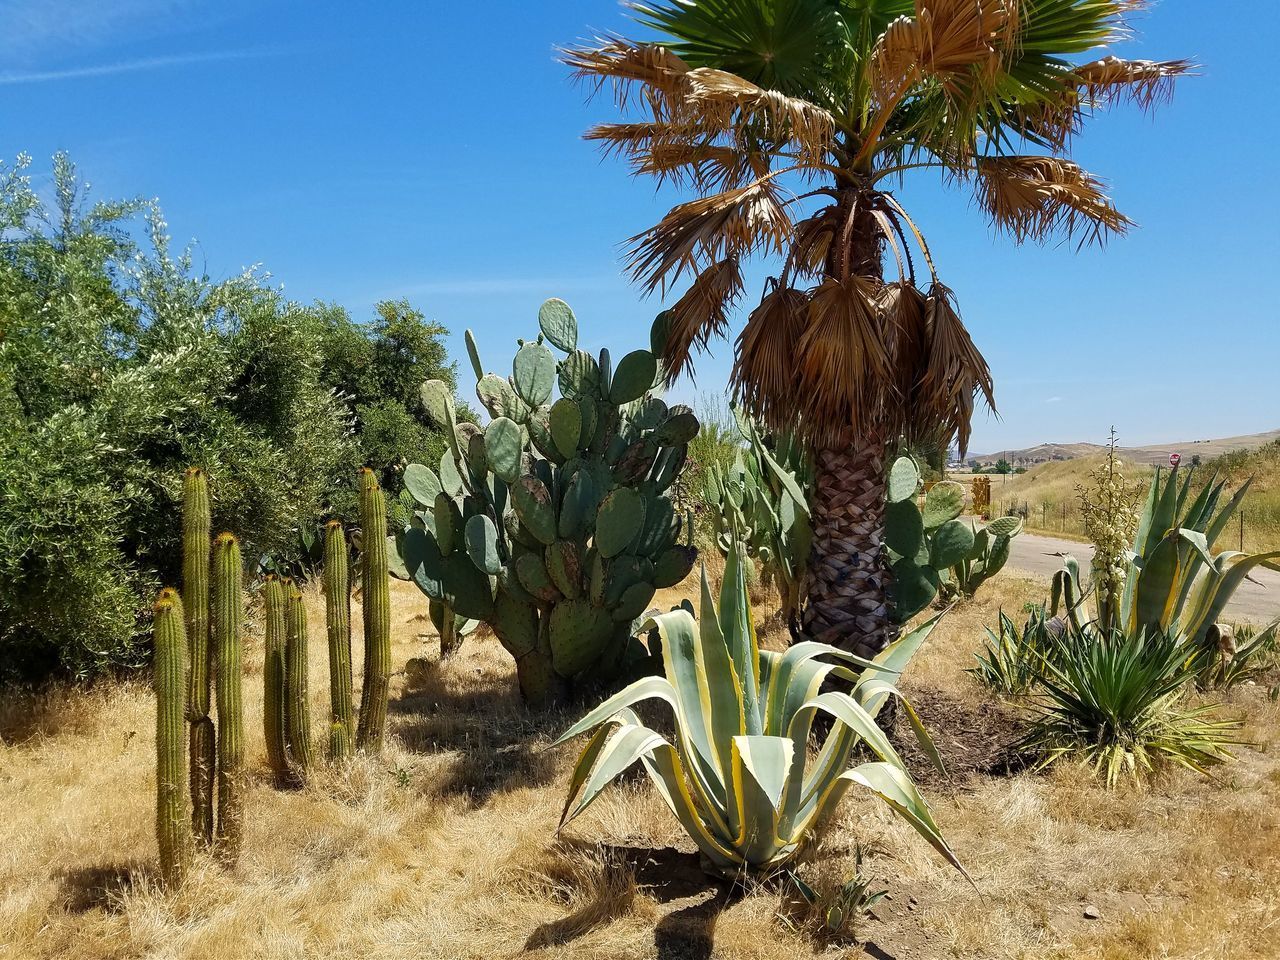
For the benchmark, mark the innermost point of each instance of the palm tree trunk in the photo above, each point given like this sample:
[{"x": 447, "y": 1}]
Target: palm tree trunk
[{"x": 848, "y": 578}]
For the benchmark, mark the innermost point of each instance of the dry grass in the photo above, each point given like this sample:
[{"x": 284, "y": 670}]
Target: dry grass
[{"x": 446, "y": 847}]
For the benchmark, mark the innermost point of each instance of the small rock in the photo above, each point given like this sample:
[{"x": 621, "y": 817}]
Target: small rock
[{"x": 1091, "y": 912}]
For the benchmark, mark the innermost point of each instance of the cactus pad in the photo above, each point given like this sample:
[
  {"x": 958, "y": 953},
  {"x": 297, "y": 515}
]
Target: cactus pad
[
  {"x": 532, "y": 374},
  {"x": 533, "y": 505},
  {"x": 566, "y": 426},
  {"x": 633, "y": 377},
  {"x": 558, "y": 324},
  {"x": 579, "y": 634}
]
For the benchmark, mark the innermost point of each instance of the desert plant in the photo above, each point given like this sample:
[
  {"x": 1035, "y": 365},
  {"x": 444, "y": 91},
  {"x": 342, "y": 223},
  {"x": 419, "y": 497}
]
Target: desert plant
[
  {"x": 1113, "y": 700},
  {"x": 1235, "y": 654},
  {"x": 228, "y": 618},
  {"x": 838, "y": 912},
  {"x": 764, "y": 495},
  {"x": 297, "y": 703},
  {"x": 789, "y": 122},
  {"x": 274, "y": 681},
  {"x": 1012, "y": 658},
  {"x": 1110, "y": 511},
  {"x": 196, "y": 541},
  {"x": 375, "y": 599},
  {"x": 173, "y": 830},
  {"x": 553, "y": 524},
  {"x": 930, "y": 550},
  {"x": 337, "y": 608},
  {"x": 735, "y": 773},
  {"x": 1173, "y": 582}
]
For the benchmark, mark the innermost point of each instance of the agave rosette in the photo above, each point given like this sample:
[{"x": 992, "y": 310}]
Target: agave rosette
[{"x": 736, "y": 772}]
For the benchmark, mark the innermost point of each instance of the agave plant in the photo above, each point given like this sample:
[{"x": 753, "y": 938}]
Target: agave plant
[
  {"x": 737, "y": 774},
  {"x": 1012, "y": 659},
  {"x": 1173, "y": 582},
  {"x": 1112, "y": 700}
]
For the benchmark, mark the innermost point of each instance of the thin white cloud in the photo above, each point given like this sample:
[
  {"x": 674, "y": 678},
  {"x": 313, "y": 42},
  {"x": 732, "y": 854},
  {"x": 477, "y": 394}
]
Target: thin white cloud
[
  {"x": 30, "y": 30},
  {"x": 126, "y": 66},
  {"x": 1054, "y": 400}
]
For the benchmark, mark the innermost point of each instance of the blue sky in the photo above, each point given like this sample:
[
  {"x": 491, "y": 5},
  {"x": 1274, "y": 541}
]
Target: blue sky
[{"x": 432, "y": 151}]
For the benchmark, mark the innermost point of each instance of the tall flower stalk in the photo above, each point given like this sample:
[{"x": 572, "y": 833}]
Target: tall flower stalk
[{"x": 1111, "y": 507}]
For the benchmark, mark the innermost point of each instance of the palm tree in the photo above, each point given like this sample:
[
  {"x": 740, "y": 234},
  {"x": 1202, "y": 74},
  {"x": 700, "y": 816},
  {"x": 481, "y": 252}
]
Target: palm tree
[{"x": 791, "y": 120}]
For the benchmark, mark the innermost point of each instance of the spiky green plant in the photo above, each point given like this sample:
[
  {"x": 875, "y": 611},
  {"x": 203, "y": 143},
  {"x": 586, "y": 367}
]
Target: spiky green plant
[
  {"x": 337, "y": 605},
  {"x": 196, "y": 531},
  {"x": 554, "y": 523},
  {"x": 375, "y": 597},
  {"x": 274, "y": 684},
  {"x": 173, "y": 830},
  {"x": 298, "y": 709},
  {"x": 1012, "y": 658},
  {"x": 1114, "y": 701},
  {"x": 735, "y": 772},
  {"x": 228, "y": 621},
  {"x": 1173, "y": 581},
  {"x": 764, "y": 495}
]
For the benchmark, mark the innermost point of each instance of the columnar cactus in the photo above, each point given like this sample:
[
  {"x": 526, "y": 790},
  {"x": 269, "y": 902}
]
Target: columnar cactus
[
  {"x": 337, "y": 598},
  {"x": 228, "y": 619},
  {"x": 196, "y": 525},
  {"x": 932, "y": 551},
  {"x": 274, "y": 692},
  {"x": 553, "y": 523},
  {"x": 298, "y": 710},
  {"x": 173, "y": 832},
  {"x": 762, "y": 501},
  {"x": 376, "y": 602}
]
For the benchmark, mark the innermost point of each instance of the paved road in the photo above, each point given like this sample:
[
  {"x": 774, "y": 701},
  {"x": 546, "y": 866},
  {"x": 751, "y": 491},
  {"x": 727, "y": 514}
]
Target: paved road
[{"x": 1258, "y": 602}]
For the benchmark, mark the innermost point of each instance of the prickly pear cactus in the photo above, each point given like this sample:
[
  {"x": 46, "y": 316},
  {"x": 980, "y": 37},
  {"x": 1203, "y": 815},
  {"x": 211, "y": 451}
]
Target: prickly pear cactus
[
  {"x": 553, "y": 523},
  {"x": 931, "y": 550}
]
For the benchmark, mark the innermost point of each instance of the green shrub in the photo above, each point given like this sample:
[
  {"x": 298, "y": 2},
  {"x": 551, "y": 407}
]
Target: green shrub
[
  {"x": 1013, "y": 658},
  {"x": 1115, "y": 701},
  {"x": 120, "y": 367}
]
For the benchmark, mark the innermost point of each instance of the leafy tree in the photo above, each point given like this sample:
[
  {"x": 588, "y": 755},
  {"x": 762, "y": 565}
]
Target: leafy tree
[
  {"x": 791, "y": 121},
  {"x": 1003, "y": 466}
]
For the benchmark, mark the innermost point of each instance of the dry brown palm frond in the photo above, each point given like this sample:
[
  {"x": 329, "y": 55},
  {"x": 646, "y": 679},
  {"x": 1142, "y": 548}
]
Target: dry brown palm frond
[
  {"x": 703, "y": 312},
  {"x": 703, "y": 166},
  {"x": 1146, "y": 83},
  {"x": 810, "y": 244},
  {"x": 905, "y": 320},
  {"x": 954, "y": 373},
  {"x": 840, "y": 361},
  {"x": 945, "y": 39},
  {"x": 764, "y": 364},
  {"x": 726, "y": 101},
  {"x": 1038, "y": 196},
  {"x": 723, "y": 226},
  {"x": 625, "y": 65}
]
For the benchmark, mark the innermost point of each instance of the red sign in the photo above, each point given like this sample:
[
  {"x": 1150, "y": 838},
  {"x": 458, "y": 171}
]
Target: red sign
[{"x": 1175, "y": 459}]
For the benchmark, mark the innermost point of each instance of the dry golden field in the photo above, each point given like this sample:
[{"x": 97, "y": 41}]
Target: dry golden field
[{"x": 446, "y": 847}]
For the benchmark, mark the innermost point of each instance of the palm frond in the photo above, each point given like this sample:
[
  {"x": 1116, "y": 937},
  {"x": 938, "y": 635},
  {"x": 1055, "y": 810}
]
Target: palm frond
[
  {"x": 723, "y": 226},
  {"x": 955, "y": 372},
  {"x": 703, "y": 312},
  {"x": 1036, "y": 197},
  {"x": 764, "y": 356},
  {"x": 1146, "y": 83},
  {"x": 626, "y": 66},
  {"x": 716, "y": 97}
]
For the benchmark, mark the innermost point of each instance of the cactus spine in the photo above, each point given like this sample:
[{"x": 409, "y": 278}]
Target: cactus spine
[
  {"x": 173, "y": 834},
  {"x": 274, "y": 713},
  {"x": 228, "y": 579},
  {"x": 376, "y": 601},
  {"x": 298, "y": 710},
  {"x": 196, "y": 524},
  {"x": 337, "y": 598}
]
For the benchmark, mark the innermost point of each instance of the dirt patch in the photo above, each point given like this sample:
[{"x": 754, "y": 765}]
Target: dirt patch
[{"x": 975, "y": 739}]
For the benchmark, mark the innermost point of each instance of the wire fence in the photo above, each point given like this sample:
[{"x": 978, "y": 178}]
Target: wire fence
[{"x": 1065, "y": 517}]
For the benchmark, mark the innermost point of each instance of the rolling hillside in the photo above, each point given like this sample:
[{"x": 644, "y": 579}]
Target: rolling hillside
[{"x": 1151, "y": 454}]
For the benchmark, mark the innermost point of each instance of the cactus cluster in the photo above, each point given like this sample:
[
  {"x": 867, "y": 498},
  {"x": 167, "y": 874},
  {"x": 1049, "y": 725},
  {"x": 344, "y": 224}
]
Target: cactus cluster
[
  {"x": 931, "y": 550},
  {"x": 553, "y": 523},
  {"x": 763, "y": 497}
]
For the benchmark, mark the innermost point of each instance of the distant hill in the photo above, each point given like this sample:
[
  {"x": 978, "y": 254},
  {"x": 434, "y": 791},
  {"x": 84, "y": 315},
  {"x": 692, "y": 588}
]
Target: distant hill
[{"x": 1153, "y": 453}]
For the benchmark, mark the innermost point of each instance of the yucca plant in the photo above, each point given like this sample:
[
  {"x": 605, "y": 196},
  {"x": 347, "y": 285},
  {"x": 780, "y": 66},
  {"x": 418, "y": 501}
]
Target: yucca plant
[
  {"x": 1113, "y": 700},
  {"x": 736, "y": 773},
  {"x": 792, "y": 123},
  {"x": 1011, "y": 658}
]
